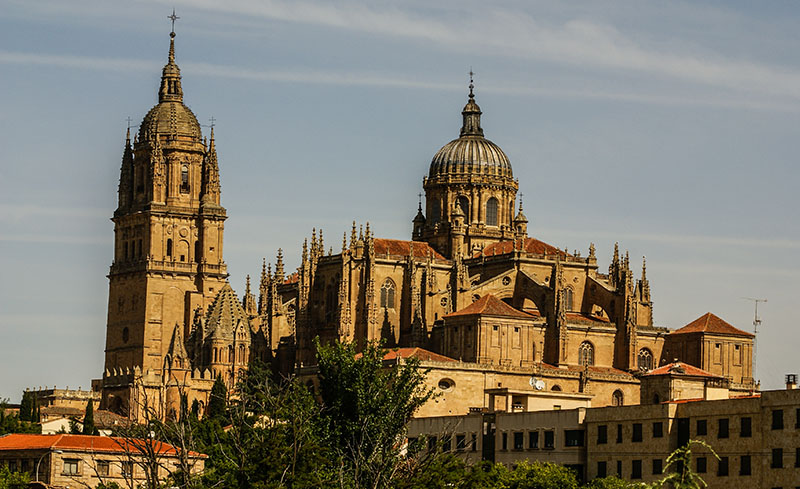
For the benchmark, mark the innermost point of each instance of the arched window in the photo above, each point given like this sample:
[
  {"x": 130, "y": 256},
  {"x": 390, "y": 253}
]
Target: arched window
[
  {"x": 387, "y": 294},
  {"x": 645, "y": 359},
  {"x": 185, "y": 179},
  {"x": 491, "y": 212},
  {"x": 231, "y": 358},
  {"x": 556, "y": 388},
  {"x": 617, "y": 399},
  {"x": 586, "y": 354},
  {"x": 656, "y": 399},
  {"x": 169, "y": 248},
  {"x": 568, "y": 295},
  {"x": 463, "y": 202},
  {"x": 435, "y": 213}
]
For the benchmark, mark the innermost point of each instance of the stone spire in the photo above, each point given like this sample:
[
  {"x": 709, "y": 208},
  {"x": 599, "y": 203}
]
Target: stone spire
[
  {"x": 263, "y": 288},
  {"x": 211, "y": 187},
  {"x": 249, "y": 300},
  {"x": 471, "y": 114},
  {"x": 126, "y": 174},
  {"x": 171, "y": 90},
  {"x": 279, "y": 267}
]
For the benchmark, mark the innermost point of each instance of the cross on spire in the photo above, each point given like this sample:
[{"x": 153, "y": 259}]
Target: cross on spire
[
  {"x": 420, "y": 201},
  {"x": 471, "y": 84},
  {"x": 213, "y": 121},
  {"x": 520, "y": 201},
  {"x": 173, "y": 18},
  {"x": 129, "y": 121}
]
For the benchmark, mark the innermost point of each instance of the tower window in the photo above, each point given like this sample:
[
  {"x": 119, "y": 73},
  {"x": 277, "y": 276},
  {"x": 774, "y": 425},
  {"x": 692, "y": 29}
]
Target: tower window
[
  {"x": 169, "y": 248},
  {"x": 568, "y": 295},
  {"x": 197, "y": 252},
  {"x": 463, "y": 202},
  {"x": 435, "y": 214},
  {"x": 387, "y": 294},
  {"x": 586, "y": 354},
  {"x": 491, "y": 212},
  {"x": 645, "y": 359},
  {"x": 125, "y": 248},
  {"x": 617, "y": 398},
  {"x": 185, "y": 179}
]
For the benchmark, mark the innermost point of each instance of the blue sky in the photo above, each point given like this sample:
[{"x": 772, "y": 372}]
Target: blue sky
[{"x": 671, "y": 127}]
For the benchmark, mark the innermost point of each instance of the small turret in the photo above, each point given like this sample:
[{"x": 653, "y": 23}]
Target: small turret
[
  {"x": 520, "y": 223},
  {"x": 279, "y": 274},
  {"x": 418, "y": 223}
]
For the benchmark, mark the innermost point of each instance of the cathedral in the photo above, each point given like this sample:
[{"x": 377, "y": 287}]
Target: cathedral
[{"x": 502, "y": 320}]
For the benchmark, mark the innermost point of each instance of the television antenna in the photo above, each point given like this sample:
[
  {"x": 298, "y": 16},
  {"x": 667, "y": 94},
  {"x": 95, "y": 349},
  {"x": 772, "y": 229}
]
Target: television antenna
[{"x": 756, "y": 324}]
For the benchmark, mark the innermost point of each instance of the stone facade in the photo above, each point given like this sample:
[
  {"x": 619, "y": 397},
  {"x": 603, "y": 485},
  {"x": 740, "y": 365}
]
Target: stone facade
[
  {"x": 470, "y": 285},
  {"x": 756, "y": 437}
]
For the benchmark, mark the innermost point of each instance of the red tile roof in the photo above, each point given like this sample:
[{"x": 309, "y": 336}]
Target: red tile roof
[
  {"x": 403, "y": 248},
  {"x": 529, "y": 245},
  {"x": 680, "y": 368},
  {"x": 108, "y": 444},
  {"x": 292, "y": 279},
  {"x": 490, "y": 305},
  {"x": 709, "y": 323},
  {"x": 416, "y": 352}
]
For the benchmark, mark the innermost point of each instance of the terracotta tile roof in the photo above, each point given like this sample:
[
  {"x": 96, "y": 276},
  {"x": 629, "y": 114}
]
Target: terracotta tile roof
[
  {"x": 592, "y": 368},
  {"x": 416, "y": 352},
  {"x": 529, "y": 245},
  {"x": 292, "y": 279},
  {"x": 490, "y": 305},
  {"x": 680, "y": 368},
  {"x": 403, "y": 248},
  {"x": 110, "y": 444},
  {"x": 709, "y": 323}
]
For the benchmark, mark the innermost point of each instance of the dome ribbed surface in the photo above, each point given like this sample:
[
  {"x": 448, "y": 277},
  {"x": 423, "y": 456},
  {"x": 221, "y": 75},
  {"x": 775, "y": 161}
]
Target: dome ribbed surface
[
  {"x": 168, "y": 118},
  {"x": 470, "y": 155}
]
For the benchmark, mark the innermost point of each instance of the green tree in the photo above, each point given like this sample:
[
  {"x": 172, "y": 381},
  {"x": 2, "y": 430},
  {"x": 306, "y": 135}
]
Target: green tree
[
  {"x": 610, "y": 482},
  {"x": 88, "y": 420},
  {"x": 12, "y": 480},
  {"x": 27, "y": 408},
  {"x": 538, "y": 475},
  {"x": 218, "y": 400},
  {"x": 366, "y": 406},
  {"x": 10, "y": 423},
  {"x": 683, "y": 477}
]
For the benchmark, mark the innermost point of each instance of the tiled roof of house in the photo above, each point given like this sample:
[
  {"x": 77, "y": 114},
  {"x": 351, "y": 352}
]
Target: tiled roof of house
[
  {"x": 709, "y": 323},
  {"x": 108, "y": 444},
  {"x": 529, "y": 245},
  {"x": 403, "y": 248},
  {"x": 292, "y": 279},
  {"x": 680, "y": 368},
  {"x": 490, "y": 305},
  {"x": 416, "y": 352}
]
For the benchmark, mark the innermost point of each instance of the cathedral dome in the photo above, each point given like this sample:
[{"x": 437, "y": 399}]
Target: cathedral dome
[
  {"x": 471, "y": 153},
  {"x": 171, "y": 116}
]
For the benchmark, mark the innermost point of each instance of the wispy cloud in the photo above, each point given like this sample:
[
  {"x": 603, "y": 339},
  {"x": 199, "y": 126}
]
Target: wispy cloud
[
  {"x": 514, "y": 32},
  {"x": 362, "y": 78}
]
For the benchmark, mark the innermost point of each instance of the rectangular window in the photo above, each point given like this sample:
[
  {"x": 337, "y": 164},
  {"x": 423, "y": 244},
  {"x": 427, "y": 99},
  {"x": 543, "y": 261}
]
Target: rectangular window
[
  {"x": 701, "y": 465},
  {"x": 636, "y": 469},
  {"x": 127, "y": 467},
  {"x": 505, "y": 441},
  {"x": 474, "y": 444},
  {"x": 722, "y": 467},
  {"x": 519, "y": 440},
  {"x": 602, "y": 434},
  {"x": 619, "y": 433},
  {"x": 797, "y": 418},
  {"x": 549, "y": 439},
  {"x": 573, "y": 438},
  {"x": 637, "y": 432},
  {"x": 718, "y": 353},
  {"x": 722, "y": 428},
  {"x": 702, "y": 427},
  {"x": 432, "y": 443},
  {"x": 777, "y": 458},
  {"x": 744, "y": 465},
  {"x": 533, "y": 439},
  {"x": 658, "y": 466},
  {"x": 797, "y": 457},
  {"x": 746, "y": 428},
  {"x": 619, "y": 468},
  {"x": 71, "y": 466},
  {"x": 102, "y": 467},
  {"x": 12, "y": 465},
  {"x": 658, "y": 429},
  {"x": 447, "y": 444},
  {"x": 461, "y": 442},
  {"x": 602, "y": 469},
  {"x": 777, "y": 419}
]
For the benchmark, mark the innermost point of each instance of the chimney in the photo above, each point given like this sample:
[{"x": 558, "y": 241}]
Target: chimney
[{"x": 791, "y": 382}]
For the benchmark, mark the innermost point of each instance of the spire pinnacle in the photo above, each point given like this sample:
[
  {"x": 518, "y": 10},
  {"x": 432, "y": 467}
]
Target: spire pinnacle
[
  {"x": 171, "y": 90},
  {"x": 471, "y": 82},
  {"x": 471, "y": 113}
]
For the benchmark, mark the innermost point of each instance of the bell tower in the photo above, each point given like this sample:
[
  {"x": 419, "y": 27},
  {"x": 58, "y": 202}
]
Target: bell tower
[{"x": 168, "y": 237}]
